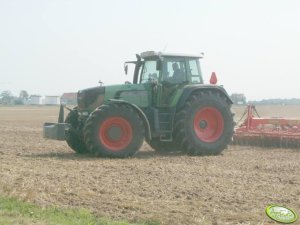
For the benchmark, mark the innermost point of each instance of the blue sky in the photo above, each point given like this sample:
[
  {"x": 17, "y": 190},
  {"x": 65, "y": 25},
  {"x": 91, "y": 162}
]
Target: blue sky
[{"x": 51, "y": 47}]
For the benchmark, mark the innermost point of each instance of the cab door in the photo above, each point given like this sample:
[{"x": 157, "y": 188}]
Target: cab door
[
  {"x": 174, "y": 76},
  {"x": 150, "y": 78}
]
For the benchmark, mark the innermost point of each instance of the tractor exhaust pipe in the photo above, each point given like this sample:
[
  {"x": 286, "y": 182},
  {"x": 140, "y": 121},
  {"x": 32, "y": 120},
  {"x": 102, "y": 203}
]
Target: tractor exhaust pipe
[{"x": 61, "y": 114}]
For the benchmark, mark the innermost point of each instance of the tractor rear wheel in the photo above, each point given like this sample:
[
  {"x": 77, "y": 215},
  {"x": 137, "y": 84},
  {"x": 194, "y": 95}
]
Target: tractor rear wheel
[
  {"x": 73, "y": 137},
  {"x": 205, "y": 124},
  {"x": 114, "y": 130}
]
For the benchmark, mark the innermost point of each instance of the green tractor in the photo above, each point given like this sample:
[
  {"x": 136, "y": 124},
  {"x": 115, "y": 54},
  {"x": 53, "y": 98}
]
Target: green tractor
[{"x": 167, "y": 104}]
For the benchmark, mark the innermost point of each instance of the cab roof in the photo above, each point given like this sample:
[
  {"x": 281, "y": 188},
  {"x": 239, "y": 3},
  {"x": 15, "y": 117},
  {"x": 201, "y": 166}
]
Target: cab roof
[{"x": 154, "y": 54}]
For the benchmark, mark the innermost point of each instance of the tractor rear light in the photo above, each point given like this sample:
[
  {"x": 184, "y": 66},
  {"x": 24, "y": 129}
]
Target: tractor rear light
[{"x": 213, "y": 78}]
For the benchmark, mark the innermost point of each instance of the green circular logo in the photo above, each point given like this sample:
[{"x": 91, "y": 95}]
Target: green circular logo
[{"x": 281, "y": 214}]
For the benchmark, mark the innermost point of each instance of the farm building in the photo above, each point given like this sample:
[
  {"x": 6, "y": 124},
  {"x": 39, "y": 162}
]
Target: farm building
[
  {"x": 52, "y": 100},
  {"x": 34, "y": 100},
  {"x": 69, "y": 98}
]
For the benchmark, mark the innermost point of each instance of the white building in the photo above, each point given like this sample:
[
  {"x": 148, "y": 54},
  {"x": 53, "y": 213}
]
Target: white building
[
  {"x": 52, "y": 100},
  {"x": 34, "y": 100}
]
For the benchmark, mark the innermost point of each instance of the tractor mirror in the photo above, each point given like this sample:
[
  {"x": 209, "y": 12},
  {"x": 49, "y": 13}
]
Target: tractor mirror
[
  {"x": 126, "y": 68},
  {"x": 158, "y": 65}
]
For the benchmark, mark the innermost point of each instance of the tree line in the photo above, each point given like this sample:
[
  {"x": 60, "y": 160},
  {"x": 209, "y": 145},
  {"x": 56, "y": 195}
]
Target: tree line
[
  {"x": 240, "y": 99},
  {"x": 277, "y": 101},
  {"x": 7, "y": 98}
]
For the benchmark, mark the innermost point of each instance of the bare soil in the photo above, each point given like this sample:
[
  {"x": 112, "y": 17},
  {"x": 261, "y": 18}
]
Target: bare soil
[{"x": 232, "y": 188}]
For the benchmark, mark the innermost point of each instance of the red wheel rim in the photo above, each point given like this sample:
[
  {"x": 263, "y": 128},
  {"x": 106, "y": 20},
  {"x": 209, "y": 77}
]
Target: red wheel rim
[
  {"x": 208, "y": 124},
  {"x": 115, "y": 133}
]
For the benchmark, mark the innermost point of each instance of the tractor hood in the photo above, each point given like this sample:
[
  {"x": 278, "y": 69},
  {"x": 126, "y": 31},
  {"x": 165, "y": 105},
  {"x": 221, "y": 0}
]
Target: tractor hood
[{"x": 90, "y": 97}]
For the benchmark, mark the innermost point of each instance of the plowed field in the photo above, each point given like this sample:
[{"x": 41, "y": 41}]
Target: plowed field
[{"x": 232, "y": 188}]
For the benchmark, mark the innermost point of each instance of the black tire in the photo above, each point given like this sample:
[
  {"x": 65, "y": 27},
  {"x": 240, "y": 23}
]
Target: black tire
[
  {"x": 114, "y": 130},
  {"x": 73, "y": 135},
  {"x": 162, "y": 146},
  {"x": 204, "y": 126}
]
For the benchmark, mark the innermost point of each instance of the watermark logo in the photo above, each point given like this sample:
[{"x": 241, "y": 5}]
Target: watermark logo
[{"x": 281, "y": 214}]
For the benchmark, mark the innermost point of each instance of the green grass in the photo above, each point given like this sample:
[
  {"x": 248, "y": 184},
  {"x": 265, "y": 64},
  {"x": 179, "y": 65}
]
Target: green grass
[{"x": 16, "y": 212}]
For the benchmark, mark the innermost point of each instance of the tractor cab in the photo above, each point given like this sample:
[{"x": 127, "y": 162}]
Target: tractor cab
[
  {"x": 167, "y": 74},
  {"x": 169, "y": 68},
  {"x": 166, "y": 68}
]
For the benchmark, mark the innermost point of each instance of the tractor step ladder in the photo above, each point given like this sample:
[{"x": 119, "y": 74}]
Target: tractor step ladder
[{"x": 165, "y": 118}]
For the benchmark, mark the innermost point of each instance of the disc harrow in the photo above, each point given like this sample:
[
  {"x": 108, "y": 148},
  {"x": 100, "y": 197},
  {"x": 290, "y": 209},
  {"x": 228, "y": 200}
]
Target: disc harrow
[{"x": 267, "y": 132}]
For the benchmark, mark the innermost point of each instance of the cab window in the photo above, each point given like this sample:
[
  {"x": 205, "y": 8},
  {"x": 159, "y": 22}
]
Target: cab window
[
  {"x": 149, "y": 72},
  {"x": 175, "y": 71},
  {"x": 194, "y": 71}
]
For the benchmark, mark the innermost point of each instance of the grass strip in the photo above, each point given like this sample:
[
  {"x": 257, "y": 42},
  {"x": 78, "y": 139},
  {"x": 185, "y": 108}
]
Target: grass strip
[{"x": 14, "y": 211}]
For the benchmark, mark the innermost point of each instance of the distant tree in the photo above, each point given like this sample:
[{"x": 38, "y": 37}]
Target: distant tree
[
  {"x": 6, "y": 97},
  {"x": 23, "y": 95},
  {"x": 238, "y": 99}
]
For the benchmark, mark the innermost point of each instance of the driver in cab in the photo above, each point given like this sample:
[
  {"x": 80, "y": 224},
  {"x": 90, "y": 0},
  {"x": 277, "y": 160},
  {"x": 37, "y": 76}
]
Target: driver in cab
[{"x": 178, "y": 75}]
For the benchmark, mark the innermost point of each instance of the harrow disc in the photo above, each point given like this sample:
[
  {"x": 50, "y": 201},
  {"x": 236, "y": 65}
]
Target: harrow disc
[{"x": 266, "y": 141}]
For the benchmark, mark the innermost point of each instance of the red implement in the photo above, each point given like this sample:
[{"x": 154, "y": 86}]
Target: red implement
[{"x": 267, "y": 132}]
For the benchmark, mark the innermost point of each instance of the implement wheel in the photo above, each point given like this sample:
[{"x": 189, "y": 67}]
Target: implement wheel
[
  {"x": 114, "y": 130},
  {"x": 205, "y": 124},
  {"x": 73, "y": 135}
]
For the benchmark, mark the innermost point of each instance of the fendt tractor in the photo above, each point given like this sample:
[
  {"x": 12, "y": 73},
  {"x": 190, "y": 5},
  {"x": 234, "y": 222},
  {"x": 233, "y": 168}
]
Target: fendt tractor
[{"x": 167, "y": 104}]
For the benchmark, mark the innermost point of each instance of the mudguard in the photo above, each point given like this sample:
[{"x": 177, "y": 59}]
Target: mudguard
[{"x": 189, "y": 89}]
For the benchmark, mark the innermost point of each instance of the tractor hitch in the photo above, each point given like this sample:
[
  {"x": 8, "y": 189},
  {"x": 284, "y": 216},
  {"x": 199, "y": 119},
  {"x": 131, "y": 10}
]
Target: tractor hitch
[{"x": 56, "y": 131}]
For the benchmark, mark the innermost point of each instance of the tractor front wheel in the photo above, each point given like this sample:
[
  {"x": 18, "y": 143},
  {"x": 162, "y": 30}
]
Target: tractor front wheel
[
  {"x": 114, "y": 130},
  {"x": 73, "y": 135},
  {"x": 205, "y": 124}
]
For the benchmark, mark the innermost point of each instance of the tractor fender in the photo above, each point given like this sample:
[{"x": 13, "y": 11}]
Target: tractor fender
[
  {"x": 190, "y": 89},
  {"x": 140, "y": 112}
]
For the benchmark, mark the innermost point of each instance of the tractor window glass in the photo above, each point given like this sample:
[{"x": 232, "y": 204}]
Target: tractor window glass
[
  {"x": 194, "y": 71},
  {"x": 149, "y": 72},
  {"x": 175, "y": 71}
]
